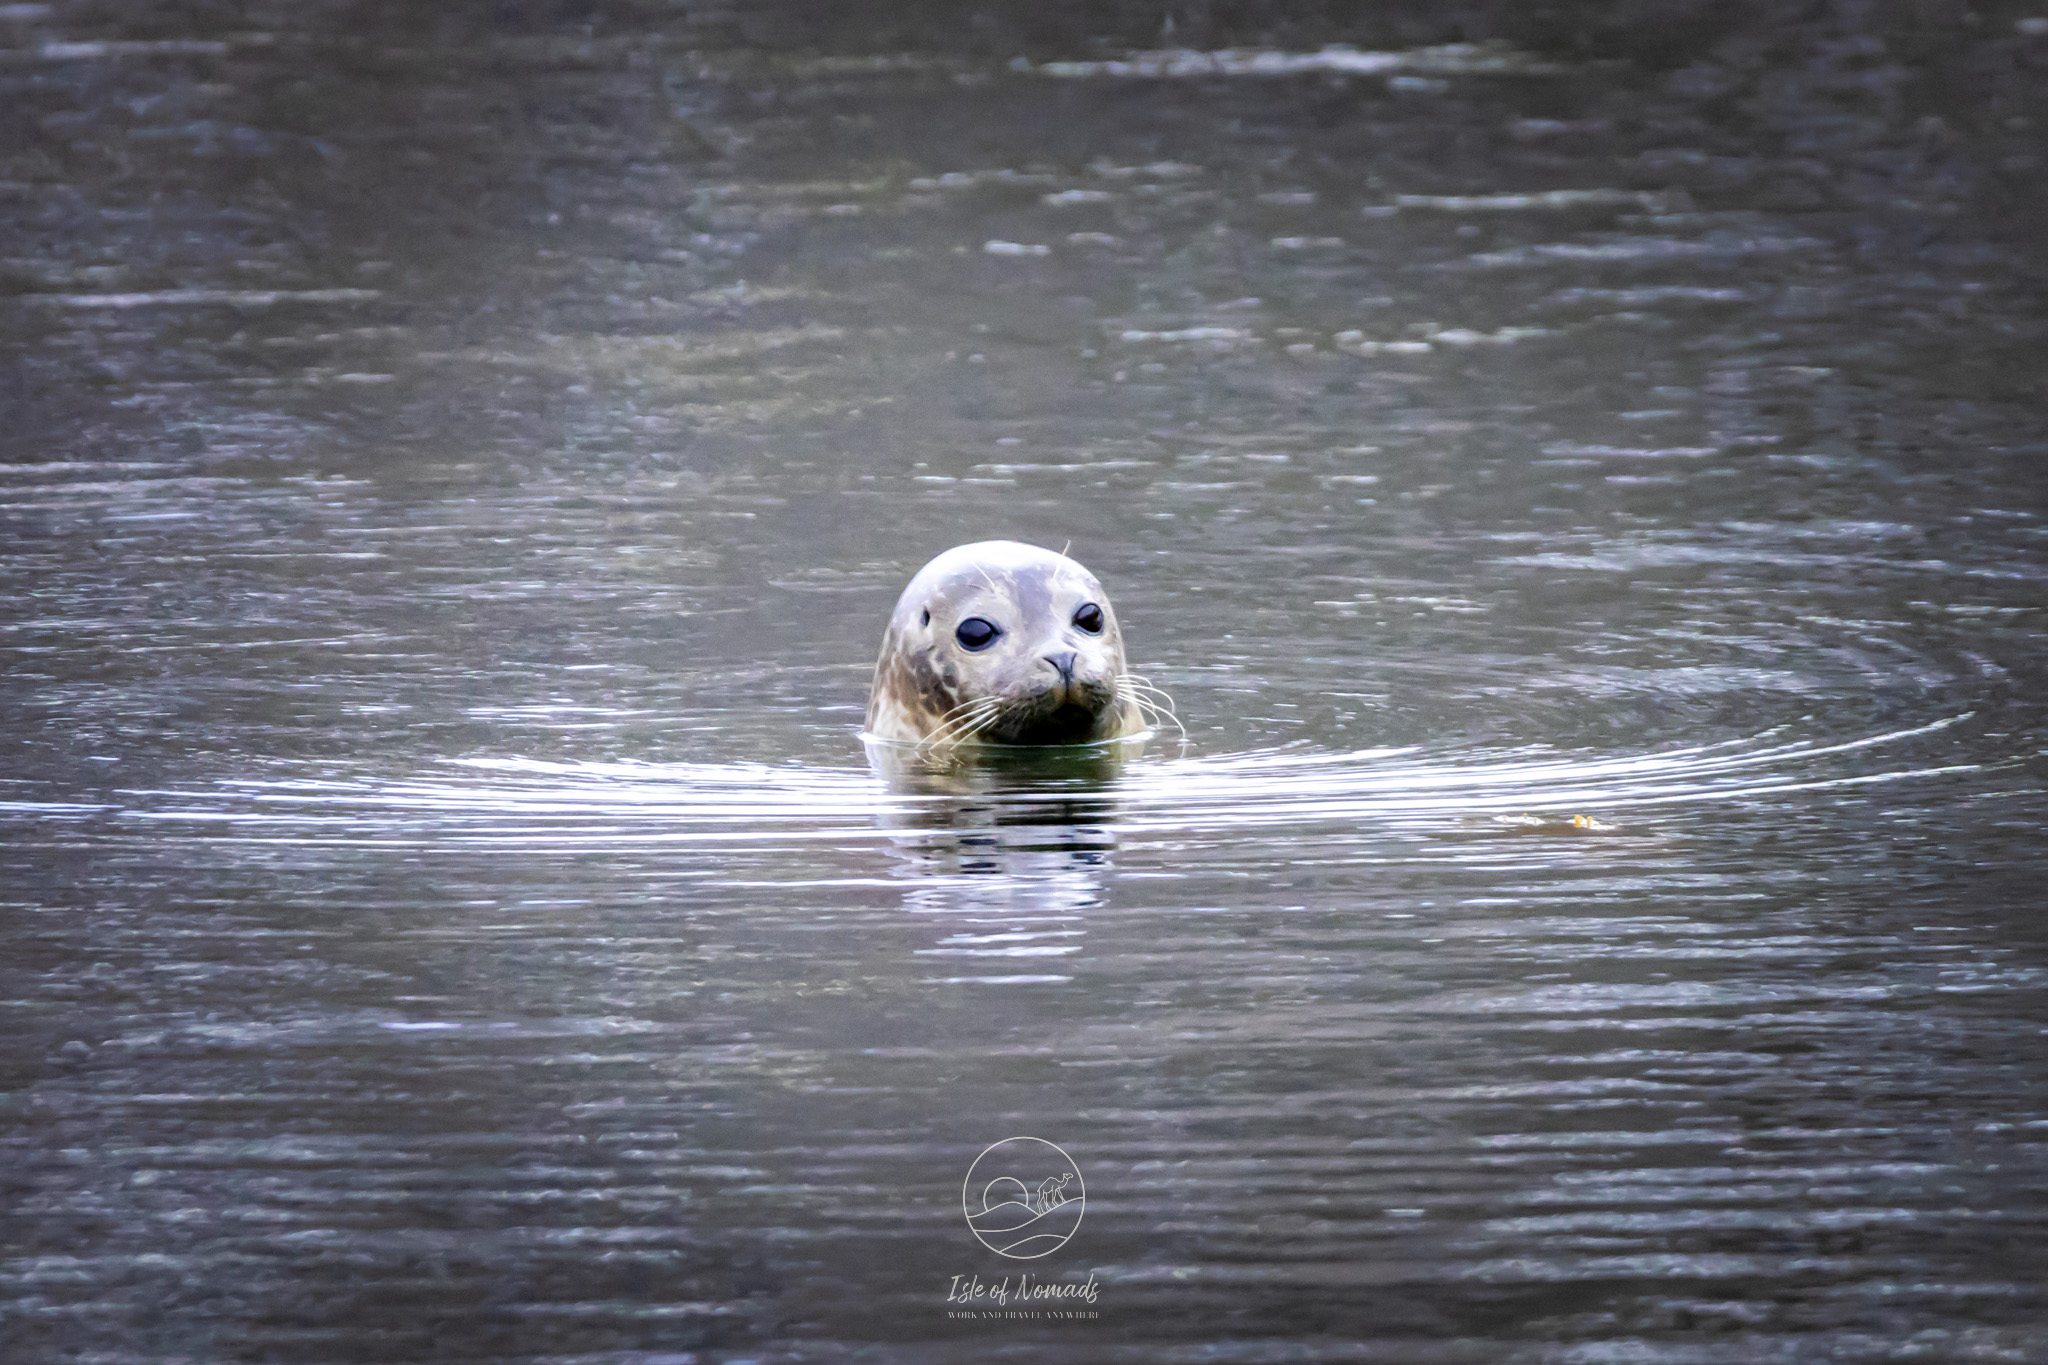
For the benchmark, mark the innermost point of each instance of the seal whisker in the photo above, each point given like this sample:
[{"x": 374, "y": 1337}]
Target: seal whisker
[
  {"x": 961, "y": 723},
  {"x": 1136, "y": 686},
  {"x": 1146, "y": 711},
  {"x": 1156, "y": 710},
  {"x": 945, "y": 746},
  {"x": 1140, "y": 680},
  {"x": 962, "y": 708},
  {"x": 1137, "y": 699},
  {"x": 1158, "y": 694},
  {"x": 959, "y": 726},
  {"x": 1152, "y": 717},
  {"x": 943, "y": 737},
  {"x": 937, "y": 734},
  {"x": 1154, "y": 703}
]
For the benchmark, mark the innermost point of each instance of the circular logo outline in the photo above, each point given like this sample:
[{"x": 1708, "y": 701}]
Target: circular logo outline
[{"x": 1073, "y": 1167}]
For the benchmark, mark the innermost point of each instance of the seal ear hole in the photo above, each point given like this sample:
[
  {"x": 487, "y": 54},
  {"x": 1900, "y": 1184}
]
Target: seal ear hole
[
  {"x": 1089, "y": 618},
  {"x": 927, "y": 618},
  {"x": 975, "y": 634}
]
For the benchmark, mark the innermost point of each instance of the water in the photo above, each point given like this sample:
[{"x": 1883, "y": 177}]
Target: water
[{"x": 1579, "y": 478}]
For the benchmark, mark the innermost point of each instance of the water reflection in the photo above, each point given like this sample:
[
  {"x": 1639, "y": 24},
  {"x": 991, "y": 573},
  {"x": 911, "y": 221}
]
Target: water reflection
[{"x": 1009, "y": 850}]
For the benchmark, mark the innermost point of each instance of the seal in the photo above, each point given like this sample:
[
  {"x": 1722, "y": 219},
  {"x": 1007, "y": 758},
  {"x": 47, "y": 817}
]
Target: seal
[{"x": 999, "y": 642}]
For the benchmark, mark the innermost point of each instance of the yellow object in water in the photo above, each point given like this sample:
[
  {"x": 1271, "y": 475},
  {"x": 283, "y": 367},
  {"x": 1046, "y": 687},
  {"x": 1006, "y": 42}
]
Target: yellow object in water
[{"x": 1557, "y": 824}]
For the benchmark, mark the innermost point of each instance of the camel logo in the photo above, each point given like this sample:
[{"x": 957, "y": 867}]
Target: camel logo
[{"x": 1023, "y": 1198}]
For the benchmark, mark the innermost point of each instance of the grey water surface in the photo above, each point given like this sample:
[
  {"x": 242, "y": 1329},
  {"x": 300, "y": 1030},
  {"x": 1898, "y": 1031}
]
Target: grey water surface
[{"x": 1577, "y": 469}]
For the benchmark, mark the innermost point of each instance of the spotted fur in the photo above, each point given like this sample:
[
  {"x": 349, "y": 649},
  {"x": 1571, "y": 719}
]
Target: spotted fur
[{"x": 930, "y": 690}]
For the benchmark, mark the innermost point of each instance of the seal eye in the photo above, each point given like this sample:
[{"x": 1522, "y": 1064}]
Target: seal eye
[
  {"x": 1089, "y": 618},
  {"x": 975, "y": 633}
]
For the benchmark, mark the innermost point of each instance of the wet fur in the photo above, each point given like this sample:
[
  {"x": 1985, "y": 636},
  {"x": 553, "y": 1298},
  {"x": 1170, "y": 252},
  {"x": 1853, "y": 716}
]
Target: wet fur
[{"x": 930, "y": 691}]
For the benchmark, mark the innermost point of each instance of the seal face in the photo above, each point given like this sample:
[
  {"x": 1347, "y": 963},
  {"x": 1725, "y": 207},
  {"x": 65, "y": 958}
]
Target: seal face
[{"x": 1002, "y": 643}]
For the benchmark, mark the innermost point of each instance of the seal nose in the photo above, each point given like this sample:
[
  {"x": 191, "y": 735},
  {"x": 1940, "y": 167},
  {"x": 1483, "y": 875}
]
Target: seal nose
[{"x": 1064, "y": 663}]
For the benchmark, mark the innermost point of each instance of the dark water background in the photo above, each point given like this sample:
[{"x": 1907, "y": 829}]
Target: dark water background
[{"x": 457, "y": 463}]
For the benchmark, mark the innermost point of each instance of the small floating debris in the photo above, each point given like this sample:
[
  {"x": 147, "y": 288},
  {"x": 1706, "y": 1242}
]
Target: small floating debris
[
  {"x": 1555, "y": 824},
  {"x": 997, "y": 248}
]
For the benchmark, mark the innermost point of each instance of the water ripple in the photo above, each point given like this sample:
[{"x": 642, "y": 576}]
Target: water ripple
[{"x": 518, "y": 801}]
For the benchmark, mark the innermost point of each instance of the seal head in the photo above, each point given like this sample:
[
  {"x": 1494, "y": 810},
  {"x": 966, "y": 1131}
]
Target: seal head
[{"x": 1002, "y": 643}]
